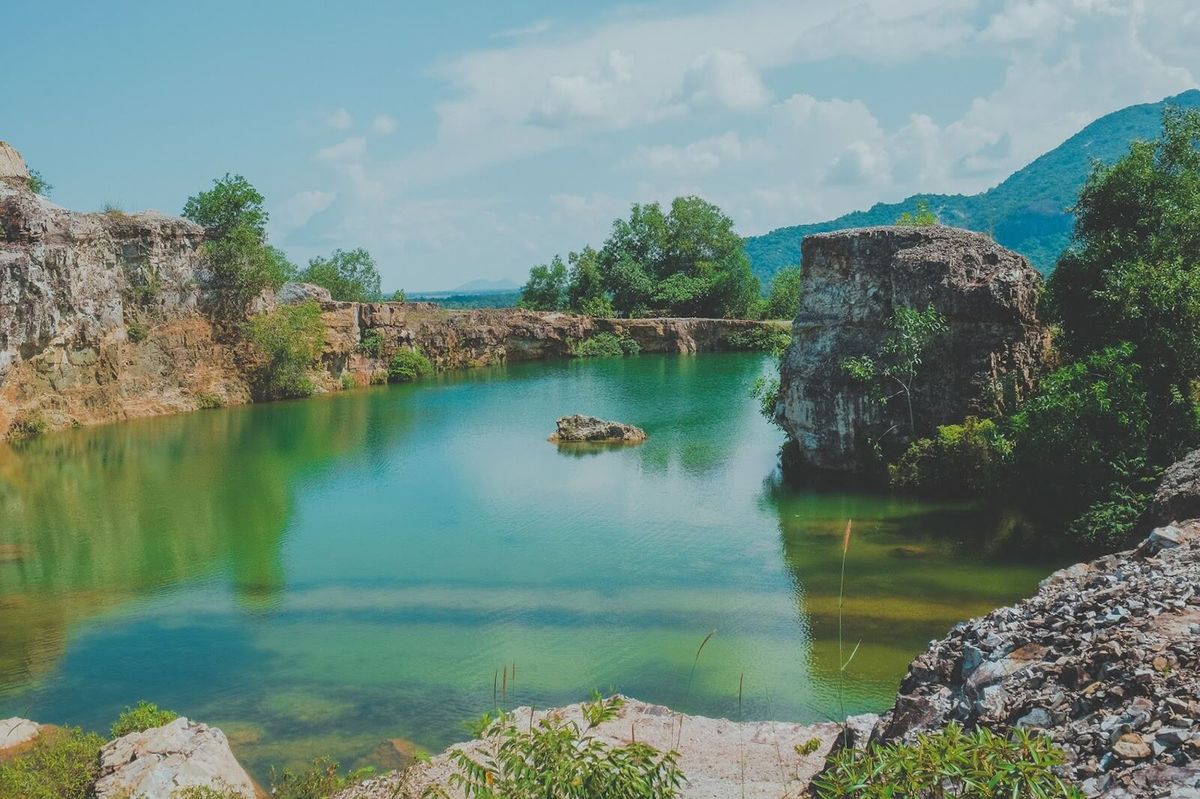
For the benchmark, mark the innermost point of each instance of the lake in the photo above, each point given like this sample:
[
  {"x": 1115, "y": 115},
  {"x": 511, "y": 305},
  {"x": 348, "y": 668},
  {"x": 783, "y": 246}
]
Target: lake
[{"x": 315, "y": 577}]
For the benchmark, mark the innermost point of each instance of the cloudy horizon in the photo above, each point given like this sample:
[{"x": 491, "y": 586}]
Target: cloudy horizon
[{"x": 461, "y": 143}]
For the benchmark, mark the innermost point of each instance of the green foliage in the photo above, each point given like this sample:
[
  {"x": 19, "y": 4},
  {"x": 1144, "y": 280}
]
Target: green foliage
[
  {"x": 208, "y": 401},
  {"x": 144, "y": 716},
  {"x": 922, "y": 217},
  {"x": 556, "y": 759},
  {"x": 321, "y": 780},
  {"x": 783, "y": 296},
  {"x": 898, "y": 362},
  {"x": 38, "y": 184},
  {"x": 290, "y": 338},
  {"x": 230, "y": 204},
  {"x": 62, "y": 764},
  {"x": 761, "y": 339},
  {"x": 962, "y": 458},
  {"x": 585, "y": 285},
  {"x": 399, "y": 296},
  {"x": 409, "y": 365},
  {"x": 1133, "y": 272},
  {"x": 135, "y": 330},
  {"x": 766, "y": 390},
  {"x": 605, "y": 345},
  {"x": 949, "y": 762},
  {"x": 1028, "y": 212},
  {"x": 371, "y": 344},
  {"x": 1078, "y": 436},
  {"x": 348, "y": 381},
  {"x": 546, "y": 289},
  {"x": 208, "y": 792},
  {"x": 27, "y": 426},
  {"x": 350, "y": 276}
]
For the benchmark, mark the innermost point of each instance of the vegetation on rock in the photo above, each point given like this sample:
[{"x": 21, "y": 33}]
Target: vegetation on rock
[
  {"x": 290, "y": 339},
  {"x": 922, "y": 217},
  {"x": 605, "y": 345},
  {"x": 61, "y": 764},
  {"x": 962, "y": 458},
  {"x": 350, "y": 276},
  {"x": 408, "y": 365},
  {"x": 38, "y": 184},
  {"x": 783, "y": 296},
  {"x": 143, "y": 716}
]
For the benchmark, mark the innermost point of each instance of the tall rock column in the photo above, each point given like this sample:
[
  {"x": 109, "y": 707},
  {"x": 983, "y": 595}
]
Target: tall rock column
[{"x": 853, "y": 281}]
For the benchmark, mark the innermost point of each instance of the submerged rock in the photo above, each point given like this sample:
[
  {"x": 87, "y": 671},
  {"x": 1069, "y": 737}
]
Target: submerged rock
[
  {"x": 161, "y": 761},
  {"x": 853, "y": 281},
  {"x": 579, "y": 429}
]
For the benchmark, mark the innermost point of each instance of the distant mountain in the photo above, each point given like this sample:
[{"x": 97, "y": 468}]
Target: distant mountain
[
  {"x": 1027, "y": 212},
  {"x": 480, "y": 285}
]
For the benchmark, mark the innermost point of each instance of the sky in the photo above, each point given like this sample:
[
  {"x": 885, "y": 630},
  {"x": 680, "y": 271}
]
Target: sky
[{"x": 460, "y": 141}]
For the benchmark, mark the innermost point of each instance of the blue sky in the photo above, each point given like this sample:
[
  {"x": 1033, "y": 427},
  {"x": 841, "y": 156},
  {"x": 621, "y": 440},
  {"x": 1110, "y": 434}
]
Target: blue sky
[{"x": 471, "y": 140}]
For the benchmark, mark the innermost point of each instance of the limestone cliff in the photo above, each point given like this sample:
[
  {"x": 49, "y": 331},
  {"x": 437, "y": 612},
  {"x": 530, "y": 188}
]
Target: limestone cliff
[
  {"x": 101, "y": 319},
  {"x": 853, "y": 281}
]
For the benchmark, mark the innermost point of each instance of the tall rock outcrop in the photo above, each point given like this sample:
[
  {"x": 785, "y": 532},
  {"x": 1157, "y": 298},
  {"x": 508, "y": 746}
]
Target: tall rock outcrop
[{"x": 853, "y": 281}]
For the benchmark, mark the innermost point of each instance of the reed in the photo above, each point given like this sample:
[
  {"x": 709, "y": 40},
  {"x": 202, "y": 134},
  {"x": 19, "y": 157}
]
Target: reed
[{"x": 843, "y": 663}]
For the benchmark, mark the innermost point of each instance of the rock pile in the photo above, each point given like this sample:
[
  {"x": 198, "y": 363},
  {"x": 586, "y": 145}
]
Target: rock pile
[
  {"x": 1105, "y": 658},
  {"x": 580, "y": 429}
]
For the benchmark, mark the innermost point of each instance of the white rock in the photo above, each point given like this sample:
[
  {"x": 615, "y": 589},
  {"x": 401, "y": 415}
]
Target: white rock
[
  {"x": 160, "y": 762},
  {"x": 15, "y": 731}
]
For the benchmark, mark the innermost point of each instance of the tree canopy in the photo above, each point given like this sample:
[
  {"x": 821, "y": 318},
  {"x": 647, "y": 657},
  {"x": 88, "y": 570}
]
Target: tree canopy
[
  {"x": 231, "y": 203},
  {"x": 351, "y": 275}
]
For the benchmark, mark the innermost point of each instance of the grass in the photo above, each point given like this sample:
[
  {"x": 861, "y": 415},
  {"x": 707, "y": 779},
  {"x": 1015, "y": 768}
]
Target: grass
[
  {"x": 141, "y": 717},
  {"x": 761, "y": 339},
  {"x": 320, "y": 780},
  {"x": 62, "y": 764},
  {"x": 27, "y": 426}
]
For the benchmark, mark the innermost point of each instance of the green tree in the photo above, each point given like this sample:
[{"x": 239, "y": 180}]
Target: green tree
[
  {"x": 783, "y": 297},
  {"x": 546, "y": 289},
  {"x": 687, "y": 262},
  {"x": 350, "y": 276},
  {"x": 231, "y": 203},
  {"x": 922, "y": 217},
  {"x": 1132, "y": 273},
  {"x": 39, "y": 184},
  {"x": 289, "y": 339},
  {"x": 898, "y": 362},
  {"x": 585, "y": 284}
]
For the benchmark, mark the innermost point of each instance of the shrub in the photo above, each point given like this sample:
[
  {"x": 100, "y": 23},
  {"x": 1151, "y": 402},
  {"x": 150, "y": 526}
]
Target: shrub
[
  {"x": 208, "y": 401},
  {"x": 223, "y": 791},
  {"x": 371, "y": 344},
  {"x": 783, "y": 297},
  {"x": 145, "y": 716},
  {"x": 135, "y": 331},
  {"x": 399, "y": 296},
  {"x": 408, "y": 365},
  {"x": 348, "y": 381},
  {"x": 39, "y": 184},
  {"x": 290, "y": 338},
  {"x": 949, "y": 762},
  {"x": 960, "y": 459},
  {"x": 922, "y": 217},
  {"x": 319, "y": 781},
  {"x": 558, "y": 760},
  {"x": 27, "y": 426},
  {"x": 599, "y": 307},
  {"x": 766, "y": 391},
  {"x": 605, "y": 345},
  {"x": 62, "y": 764},
  {"x": 761, "y": 339}
]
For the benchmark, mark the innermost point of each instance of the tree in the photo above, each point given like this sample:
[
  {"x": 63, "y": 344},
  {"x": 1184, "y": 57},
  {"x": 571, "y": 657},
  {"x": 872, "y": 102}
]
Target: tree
[
  {"x": 585, "y": 285},
  {"x": 232, "y": 202},
  {"x": 923, "y": 217},
  {"x": 289, "y": 339},
  {"x": 38, "y": 184},
  {"x": 350, "y": 276},
  {"x": 899, "y": 359},
  {"x": 783, "y": 298},
  {"x": 546, "y": 289},
  {"x": 1132, "y": 273},
  {"x": 687, "y": 262}
]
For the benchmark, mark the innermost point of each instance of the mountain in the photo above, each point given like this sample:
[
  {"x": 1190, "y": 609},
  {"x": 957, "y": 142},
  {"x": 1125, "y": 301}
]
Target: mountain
[
  {"x": 1028, "y": 212},
  {"x": 482, "y": 284}
]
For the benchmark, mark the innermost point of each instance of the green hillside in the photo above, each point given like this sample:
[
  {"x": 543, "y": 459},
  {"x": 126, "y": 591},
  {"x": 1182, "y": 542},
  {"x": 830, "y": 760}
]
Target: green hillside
[{"x": 1027, "y": 212}]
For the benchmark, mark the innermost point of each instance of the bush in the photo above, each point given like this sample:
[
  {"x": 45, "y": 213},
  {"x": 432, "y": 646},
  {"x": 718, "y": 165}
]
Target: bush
[
  {"x": 766, "y": 391},
  {"x": 319, "y": 781},
  {"x": 144, "y": 716},
  {"x": 208, "y": 792},
  {"x": 949, "y": 762},
  {"x": 409, "y": 365},
  {"x": 135, "y": 331},
  {"x": 208, "y": 401},
  {"x": 62, "y": 764},
  {"x": 605, "y": 345},
  {"x": 922, "y": 217},
  {"x": 26, "y": 426},
  {"x": 783, "y": 297},
  {"x": 348, "y": 381},
  {"x": 290, "y": 338},
  {"x": 761, "y": 339},
  {"x": 559, "y": 760},
  {"x": 351, "y": 276},
  {"x": 371, "y": 344},
  {"x": 960, "y": 459}
]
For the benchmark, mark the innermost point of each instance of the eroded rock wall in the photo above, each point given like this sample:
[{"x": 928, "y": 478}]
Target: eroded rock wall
[{"x": 853, "y": 281}]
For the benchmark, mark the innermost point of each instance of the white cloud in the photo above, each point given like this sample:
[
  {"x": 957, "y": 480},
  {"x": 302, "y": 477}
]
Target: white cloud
[
  {"x": 339, "y": 119},
  {"x": 532, "y": 29},
  {"x": 383, "y": 125},
  {"x": 701, "y": 156},
  {"x": 725, "y": 79},
  {"x": 300, "y": 208},
  {"x": 1026, "y": 20},
  {"x": 350, "y": 149}
]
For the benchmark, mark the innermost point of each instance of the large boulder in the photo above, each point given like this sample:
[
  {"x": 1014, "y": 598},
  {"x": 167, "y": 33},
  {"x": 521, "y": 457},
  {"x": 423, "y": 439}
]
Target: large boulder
[
  {"x": 162, "y": 761},
  {"x": 580, "y": 429},
  {"x": 853, "y": 281},
  {"x": 1178, "y": 495},
  {"x": 16, "y": 733}
]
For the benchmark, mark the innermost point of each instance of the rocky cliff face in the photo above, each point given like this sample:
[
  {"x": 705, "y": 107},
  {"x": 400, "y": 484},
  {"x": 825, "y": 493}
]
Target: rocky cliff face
[
  {"x": 853, "y": 281},
  {"x": 101, "y": 319}
]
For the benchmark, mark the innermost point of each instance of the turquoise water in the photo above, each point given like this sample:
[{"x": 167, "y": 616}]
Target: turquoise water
[{"x": 318, "y": 576}]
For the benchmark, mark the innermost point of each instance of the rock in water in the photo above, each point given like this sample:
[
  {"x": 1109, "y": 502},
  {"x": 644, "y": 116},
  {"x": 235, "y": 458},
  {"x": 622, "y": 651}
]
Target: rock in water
[
  {"x": 579, "y": 428},
  {"x": 162, "y": 761},
  {"x": 853, "y": 281}
]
